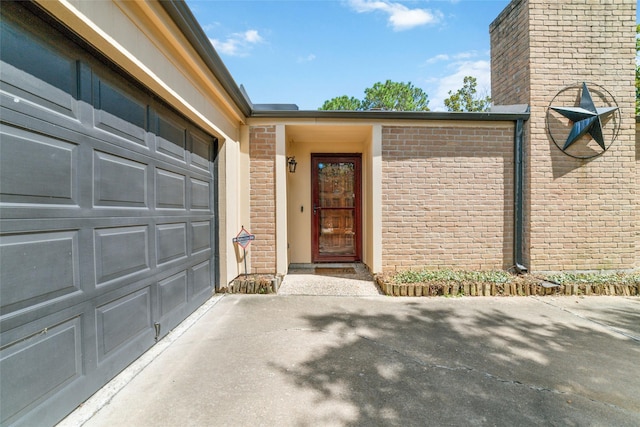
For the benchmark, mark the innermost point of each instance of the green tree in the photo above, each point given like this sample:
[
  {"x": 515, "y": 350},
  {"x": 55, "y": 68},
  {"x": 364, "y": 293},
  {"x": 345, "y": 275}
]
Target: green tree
[
  {"x": 395, "y": 96},
  {"x": 390, "y": 96},
  {"x": 342, "y": 103},
  {"x": 467, "y": 98}
]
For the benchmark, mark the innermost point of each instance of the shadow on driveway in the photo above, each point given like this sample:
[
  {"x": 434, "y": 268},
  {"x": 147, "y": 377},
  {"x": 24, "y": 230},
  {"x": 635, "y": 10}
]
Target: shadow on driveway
[
  {"x": 475, "y": 364},
  {"x": 380, "y": 361}
]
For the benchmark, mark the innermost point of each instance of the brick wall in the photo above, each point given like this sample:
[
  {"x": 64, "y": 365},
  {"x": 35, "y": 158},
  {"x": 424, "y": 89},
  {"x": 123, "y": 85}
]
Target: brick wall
[
  {"x": 582, "y": 214},
  {"x": 509, "y": 34},
  {"x": 637, "y": 191},
  {"x": 262, "y": 151},
  {"x": 447, "y": 196}
]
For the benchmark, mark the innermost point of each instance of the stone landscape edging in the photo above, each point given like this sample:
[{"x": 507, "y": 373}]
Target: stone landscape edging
[
  {"x": 502, "y": 289},
  {"x": 253, "y": 284}
]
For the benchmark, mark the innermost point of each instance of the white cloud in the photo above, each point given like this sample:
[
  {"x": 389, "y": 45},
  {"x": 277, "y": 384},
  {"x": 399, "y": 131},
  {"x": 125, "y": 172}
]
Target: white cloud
[
  {"x": 228, "y": 47},
  {"x": 307, "y": 58},
  {"x": 237, "y": 44},
  {"x": 400, "y": 16},
  {"x": 440, "y": 86},
  {"x": 252, "y": 36},
  {"x": 438, "y": 58},
  {"x": 455, "y": 57}
]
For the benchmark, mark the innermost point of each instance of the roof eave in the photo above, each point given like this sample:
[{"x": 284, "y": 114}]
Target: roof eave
[
  {"x": 390, "y": 115},
  {"x": 187, "y": 23}
]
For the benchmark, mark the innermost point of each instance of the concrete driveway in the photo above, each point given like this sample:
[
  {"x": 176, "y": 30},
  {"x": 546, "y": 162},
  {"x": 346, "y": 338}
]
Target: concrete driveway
[{"x": 273, "y": 360}]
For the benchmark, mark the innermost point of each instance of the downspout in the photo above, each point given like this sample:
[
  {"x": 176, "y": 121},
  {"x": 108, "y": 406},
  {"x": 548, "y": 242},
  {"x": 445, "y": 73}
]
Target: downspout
[{"x": 518, "y": 184}]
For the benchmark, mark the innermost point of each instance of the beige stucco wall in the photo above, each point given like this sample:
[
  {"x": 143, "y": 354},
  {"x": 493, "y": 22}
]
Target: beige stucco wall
[
  {"x": 233, "y": 211},
  {"x": 372, "y": 201}
]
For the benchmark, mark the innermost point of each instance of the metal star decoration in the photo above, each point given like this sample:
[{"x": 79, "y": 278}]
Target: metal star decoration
[{"x": 586, "y": 118}]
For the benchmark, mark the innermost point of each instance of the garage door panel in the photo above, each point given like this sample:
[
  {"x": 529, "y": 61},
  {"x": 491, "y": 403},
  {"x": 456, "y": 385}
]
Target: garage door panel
[
  {"x": 172, "y": 293},
  {"x": 121, "y": 251},
  {"x": 171, "y": 138},
  {"x": 118, "y": 113},
  {"x": 171, "y": 243},
  {"x": 36, "y": 268},
  {"x": 35, "y": 169},
  {"x": 201, "y": 236},
  {"x": 47, "y": 267},
  {"x": 28, "y": 51},
  {"x": 23, "y": 76},
  {"x": 51, "y": 405},
  {"x": 200, "y": 153},
  {"x": 37, "y": 366},
  {"x": 200, "y": 195},
  {"x": 119, "y": 182},
  {"x": 56, "y": 102},
  {"x": 122, "y": 320},
  {"x": 56, "y": 93},
  {"x": 201, "y": 278},
  {"x": 171, "y": 189}
]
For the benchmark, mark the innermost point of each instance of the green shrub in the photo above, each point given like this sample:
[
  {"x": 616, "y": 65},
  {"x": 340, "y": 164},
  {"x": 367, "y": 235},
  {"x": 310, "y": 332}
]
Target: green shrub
[
  {"x": 452, "y": 276},
  {"x": 497, "y": 277},
  {"x": 596, "y": 278}
]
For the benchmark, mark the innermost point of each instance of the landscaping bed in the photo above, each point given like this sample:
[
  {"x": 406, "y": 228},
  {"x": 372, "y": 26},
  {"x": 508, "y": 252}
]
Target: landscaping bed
[{"x": 500, "y": 283}]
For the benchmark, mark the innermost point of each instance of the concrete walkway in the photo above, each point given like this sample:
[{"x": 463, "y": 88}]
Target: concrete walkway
[
  {"x": 274, "y": 360},
  {"x": 336, "y": 280}
]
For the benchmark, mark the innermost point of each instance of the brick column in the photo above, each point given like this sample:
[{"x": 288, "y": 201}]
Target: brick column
[{"x": 262, "y": 155}]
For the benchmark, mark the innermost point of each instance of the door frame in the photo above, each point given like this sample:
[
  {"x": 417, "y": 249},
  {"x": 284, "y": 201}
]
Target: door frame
[{"x": 356, "y": 158}]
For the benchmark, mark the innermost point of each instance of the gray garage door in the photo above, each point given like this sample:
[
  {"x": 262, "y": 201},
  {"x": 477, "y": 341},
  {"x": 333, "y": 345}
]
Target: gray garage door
[{"x": 107, "y": 223}]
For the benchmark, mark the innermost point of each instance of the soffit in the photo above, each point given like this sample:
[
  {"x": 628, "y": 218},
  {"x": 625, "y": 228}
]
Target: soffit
[{"x": 328, "y": 133}]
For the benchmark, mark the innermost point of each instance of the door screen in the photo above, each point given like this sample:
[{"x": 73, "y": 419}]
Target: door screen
[{"x": 336, "y": 213}]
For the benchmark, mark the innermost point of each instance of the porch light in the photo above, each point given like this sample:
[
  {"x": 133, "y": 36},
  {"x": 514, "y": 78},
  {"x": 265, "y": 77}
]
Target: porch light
[{"x": 291, "y": 161}]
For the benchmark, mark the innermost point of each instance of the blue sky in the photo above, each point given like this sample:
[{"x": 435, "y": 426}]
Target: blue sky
[{"x": 308, "y": 51}]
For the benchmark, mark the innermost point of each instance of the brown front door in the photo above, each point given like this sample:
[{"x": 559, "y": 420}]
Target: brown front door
[{"x": 336, "y": 181}]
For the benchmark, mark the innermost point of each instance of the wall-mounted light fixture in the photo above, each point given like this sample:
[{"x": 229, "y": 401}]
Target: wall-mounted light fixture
[{"x": 291, "y": 162}]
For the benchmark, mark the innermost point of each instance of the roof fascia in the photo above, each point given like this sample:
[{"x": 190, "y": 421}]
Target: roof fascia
[
  {"x": 186, "y": 22},
  {"x": 391, "y": 115}
]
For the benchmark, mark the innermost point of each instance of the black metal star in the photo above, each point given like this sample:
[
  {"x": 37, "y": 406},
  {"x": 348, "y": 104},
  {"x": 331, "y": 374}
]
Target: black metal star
[{"x": 586, "y": 118}]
